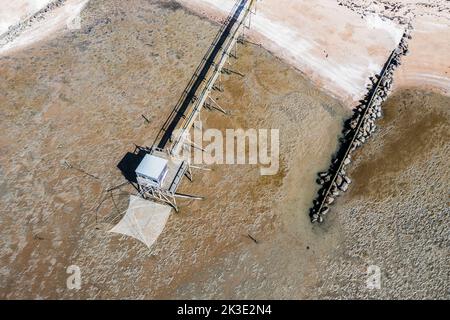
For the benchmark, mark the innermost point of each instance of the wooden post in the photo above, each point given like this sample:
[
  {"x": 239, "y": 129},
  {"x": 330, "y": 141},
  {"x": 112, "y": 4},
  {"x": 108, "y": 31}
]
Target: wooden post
[{"x": 216, "y": 106}]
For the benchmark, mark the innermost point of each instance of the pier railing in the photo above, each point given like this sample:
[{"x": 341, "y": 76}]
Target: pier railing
[{"x": 201, "y": 83}]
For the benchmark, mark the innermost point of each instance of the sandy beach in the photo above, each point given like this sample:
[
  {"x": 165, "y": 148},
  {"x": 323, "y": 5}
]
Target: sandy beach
[
  {"x": 14, "y": 12},
  {"x": 47, "y": 24},
  {"x": 337, "y": 44},
  {"x": 340, "y": 48}
]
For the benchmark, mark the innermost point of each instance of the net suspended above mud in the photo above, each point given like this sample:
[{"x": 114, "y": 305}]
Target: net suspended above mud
[{"x": 144, "y": 220}]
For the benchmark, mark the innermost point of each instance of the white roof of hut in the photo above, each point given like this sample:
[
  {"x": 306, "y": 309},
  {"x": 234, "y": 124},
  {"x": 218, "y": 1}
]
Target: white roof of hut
[{"x": 152, "y": 167}]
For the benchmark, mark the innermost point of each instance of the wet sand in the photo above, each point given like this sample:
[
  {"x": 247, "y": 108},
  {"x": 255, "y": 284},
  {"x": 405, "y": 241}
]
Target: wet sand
[
  {"x": 415, "y": 127},
  {"x": 333, "y": 46},
  {"x": 79, "y": 97},
  {"x": 395, "y": 214}
]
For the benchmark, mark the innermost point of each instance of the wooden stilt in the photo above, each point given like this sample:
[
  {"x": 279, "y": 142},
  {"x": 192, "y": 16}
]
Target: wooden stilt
[
  {"x": 216, "y": 106},
  {"x": 188, "y": 174},
  {"x": 200, "y": 168},
  {"x": 194, "y": 145},
  {"x": 229, "y": 71},
  {"x": 187, "y": 196}
]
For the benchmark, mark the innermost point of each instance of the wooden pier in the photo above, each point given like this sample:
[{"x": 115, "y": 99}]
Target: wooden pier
[
  {"x": 178, "y": 125},
  {"x": 174, "y": 133}
]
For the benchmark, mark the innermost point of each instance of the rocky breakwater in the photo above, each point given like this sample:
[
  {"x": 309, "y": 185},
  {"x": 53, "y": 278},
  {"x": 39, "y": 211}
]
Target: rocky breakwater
[
  {"x": 15, "y": 30},
  {"x": 357, "y": 130}
]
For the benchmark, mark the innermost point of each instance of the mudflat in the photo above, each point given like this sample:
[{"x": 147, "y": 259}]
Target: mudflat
[{"x": 72, "y": 106}]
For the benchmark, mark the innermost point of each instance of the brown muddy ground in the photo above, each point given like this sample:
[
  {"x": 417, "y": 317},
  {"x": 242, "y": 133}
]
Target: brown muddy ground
[
  {"x": 396, "y": 214},
  {"x": 79, "y": 97}
]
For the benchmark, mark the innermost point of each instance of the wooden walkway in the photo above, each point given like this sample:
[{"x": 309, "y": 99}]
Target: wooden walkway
[{"x": 174, "y": 131}]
